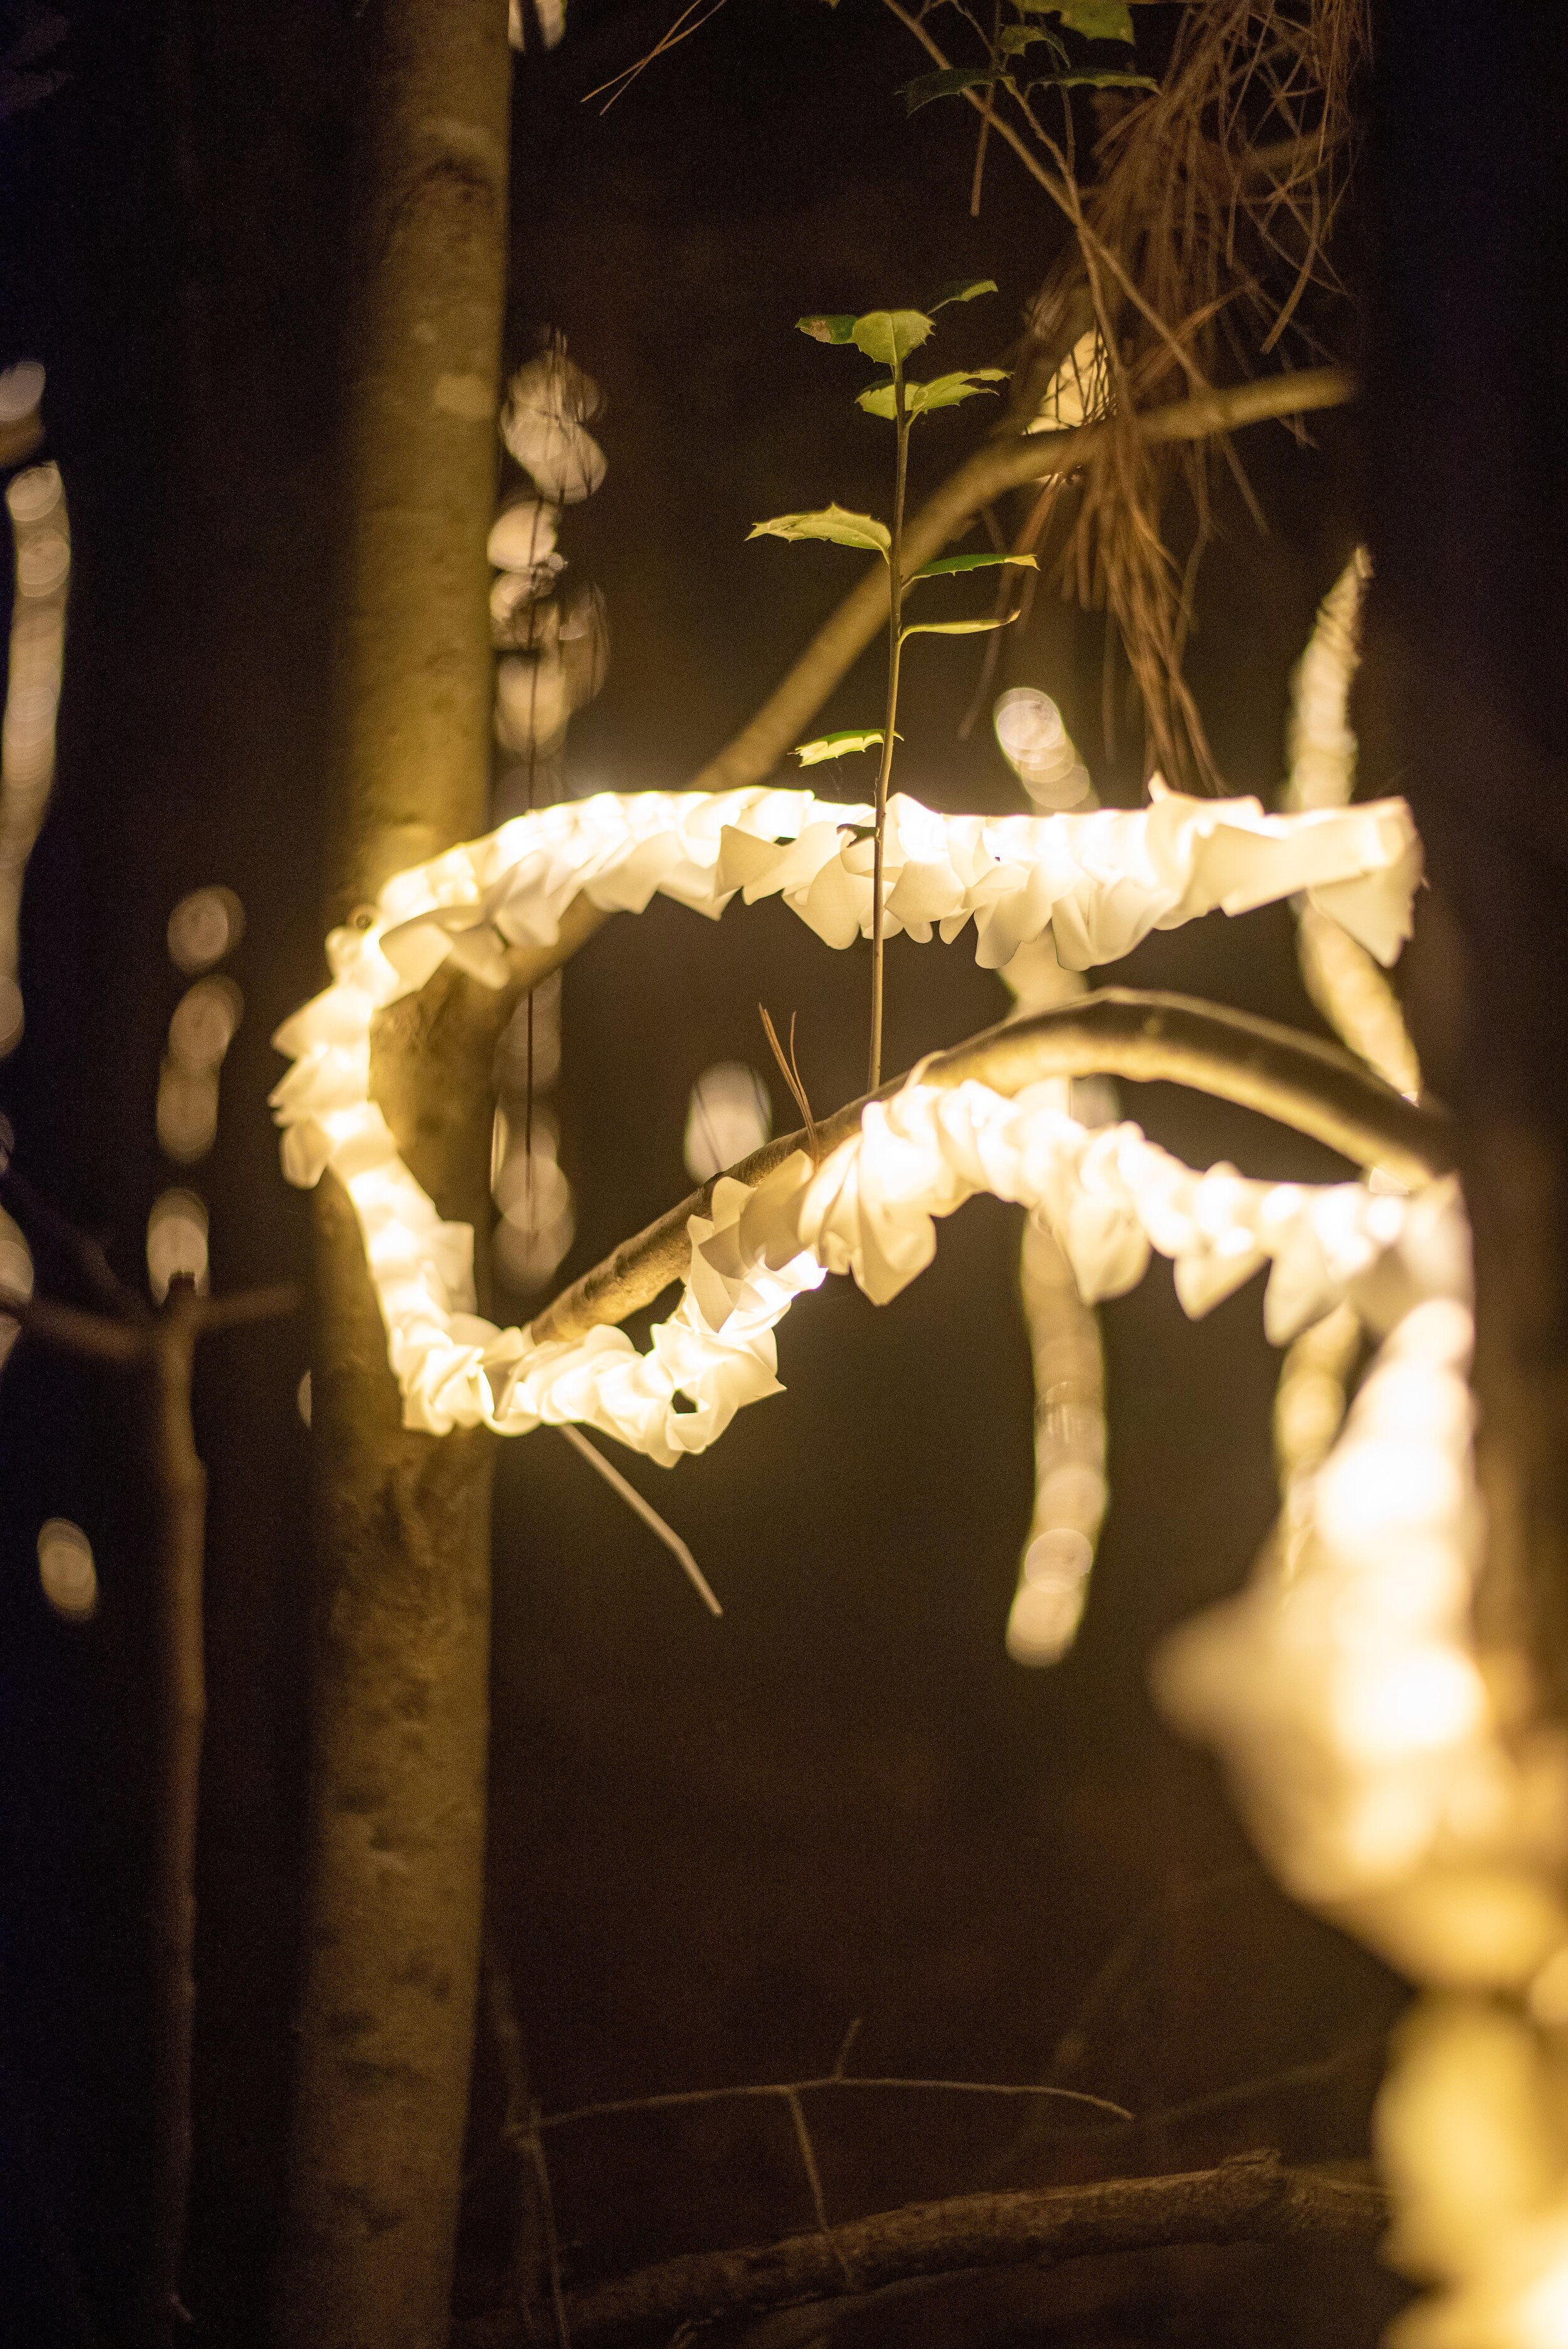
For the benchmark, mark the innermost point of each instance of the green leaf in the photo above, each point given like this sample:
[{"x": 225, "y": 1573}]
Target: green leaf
[
  {"x": 942, "y": 391},
  {"x": 949, "y": 83},
  {"x": 962, "y": 289},
  {"x": 947, "y": 564},
  {"x": 841, "y": 745},
  {"x": 890, "y": 336},
  {"x": 1096, "y": 20},
  {"x": 832, "y": 523},
  {"x": 1094, "y": 77},
  {"x": 837, "y": 329},
  {"x": 955, "y": 627},
  {"x": 1016, "y": 38}
]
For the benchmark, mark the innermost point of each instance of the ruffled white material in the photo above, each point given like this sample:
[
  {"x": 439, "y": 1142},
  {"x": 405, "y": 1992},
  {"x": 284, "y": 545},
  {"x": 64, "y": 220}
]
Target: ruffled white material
[
  {"x": 1101, "y": 881},
  {"x": 1107, "y": 1195}
]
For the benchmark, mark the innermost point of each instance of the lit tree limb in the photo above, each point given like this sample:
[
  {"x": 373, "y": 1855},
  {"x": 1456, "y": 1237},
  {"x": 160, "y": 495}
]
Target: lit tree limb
[
  {"x": 1254, "y": 2199},
  {"x": 999, "y": 465},
  {"x": 1120, "y": 1031}
]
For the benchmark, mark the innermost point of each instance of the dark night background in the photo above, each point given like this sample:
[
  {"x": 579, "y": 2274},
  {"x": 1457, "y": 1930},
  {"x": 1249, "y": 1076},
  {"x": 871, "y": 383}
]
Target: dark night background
[{"x": 713, "y": 1846}]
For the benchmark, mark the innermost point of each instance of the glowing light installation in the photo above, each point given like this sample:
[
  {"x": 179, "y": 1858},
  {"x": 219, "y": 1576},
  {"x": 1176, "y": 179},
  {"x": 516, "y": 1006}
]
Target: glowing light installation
[{"x": 1099, "y": 881}]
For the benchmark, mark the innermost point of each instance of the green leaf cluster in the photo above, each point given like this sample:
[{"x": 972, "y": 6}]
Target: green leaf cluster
[{"x": 1091, "y": 20}]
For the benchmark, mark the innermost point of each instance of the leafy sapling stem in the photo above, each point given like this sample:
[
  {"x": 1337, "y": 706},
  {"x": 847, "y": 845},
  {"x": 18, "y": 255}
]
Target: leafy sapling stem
[
  {"x": 888, "y": 336},
  {"x": 890, "y": 718}
]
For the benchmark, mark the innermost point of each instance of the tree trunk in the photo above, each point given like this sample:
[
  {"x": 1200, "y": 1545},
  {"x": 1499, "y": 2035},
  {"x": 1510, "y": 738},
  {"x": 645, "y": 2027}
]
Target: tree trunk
[
  {"x": 397, "y": 1803},
  {"x": 1467, "y": 672}
]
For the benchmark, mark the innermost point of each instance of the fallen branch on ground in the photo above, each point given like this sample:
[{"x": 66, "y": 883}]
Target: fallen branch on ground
[{"x": 1253, "y": 2198}]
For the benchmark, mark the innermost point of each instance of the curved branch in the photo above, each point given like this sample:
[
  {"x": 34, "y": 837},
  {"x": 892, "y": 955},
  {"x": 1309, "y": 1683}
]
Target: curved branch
[
  {"x": 1254, "y": 2199},
  {"x": 1120, "y": 1031},
  {"x": 1007, "y": 463}
]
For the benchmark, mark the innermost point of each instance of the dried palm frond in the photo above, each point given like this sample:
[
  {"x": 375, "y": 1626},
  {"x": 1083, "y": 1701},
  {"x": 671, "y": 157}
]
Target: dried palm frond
[{"x": 1203, "y": 226}]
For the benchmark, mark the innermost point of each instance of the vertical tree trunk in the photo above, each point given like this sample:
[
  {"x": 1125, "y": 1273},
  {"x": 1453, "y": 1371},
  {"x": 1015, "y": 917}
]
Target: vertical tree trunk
[
  {"x": 396, "y": 1825},
  {"x": 1468, "y": 669}
]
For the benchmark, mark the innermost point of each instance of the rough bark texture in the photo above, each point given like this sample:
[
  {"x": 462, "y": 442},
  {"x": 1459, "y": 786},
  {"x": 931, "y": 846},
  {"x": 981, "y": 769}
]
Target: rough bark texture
[
  {"x": 396, "y": 1825},
  {"x": 1253, "y": 2198},
  {"x": 1466, "y": 676}
]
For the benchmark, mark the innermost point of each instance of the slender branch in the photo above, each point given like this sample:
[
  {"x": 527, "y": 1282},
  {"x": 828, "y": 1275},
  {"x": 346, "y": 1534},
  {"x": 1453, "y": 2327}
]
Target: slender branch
[
  {"x": 178, "y": 1483},
  {"x": 71, "y": 1330},
  {"x": 41, "y": 1216},
  {"x": 677, "y": 2097},
  {"x": 245, "y": 1306},
  {"x": 1254, "y": 2199},
  {"x": 1008, "y": 462},
  {"x": 1146, "y": 1038}
]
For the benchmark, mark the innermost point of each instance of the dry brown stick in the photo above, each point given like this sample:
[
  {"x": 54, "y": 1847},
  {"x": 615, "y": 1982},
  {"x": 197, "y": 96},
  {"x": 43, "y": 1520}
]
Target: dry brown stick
[
  {"x": 1007, "y": 463},
  {"x": 163, "y": 1345},
  {"x": 1120, "y": 1031},
  {"x": 1253, "y": 2199}
]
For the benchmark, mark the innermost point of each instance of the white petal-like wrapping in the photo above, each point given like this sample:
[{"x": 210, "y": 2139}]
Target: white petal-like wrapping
[{"x": 1102, "y": 881}]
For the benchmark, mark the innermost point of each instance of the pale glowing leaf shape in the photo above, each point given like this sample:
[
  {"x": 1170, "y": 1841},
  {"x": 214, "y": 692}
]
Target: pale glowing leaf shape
[
  {"x": 522, "y": 536},
  {"x": 1036, "y": 744},
  {"x": 177, "y": 1243},
  {"x": 729, "y": 1116},
  {"x": 66, "y": 1573},
  {"x": 204, "y": 927}
]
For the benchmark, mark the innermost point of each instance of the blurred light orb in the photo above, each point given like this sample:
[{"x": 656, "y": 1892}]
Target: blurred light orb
[
  {"x": 66, "y": 1570},
  {"x": 187, "y": 1114},
  {"x": 7, "y": 1140},
  {"x": 43, "y": 562},
  {"x": 1036, "y": 746},
  {"x": 34, "y": 495},
  {"x": 15, "y": 1259},
  {"x": 204, "y": 927},
  {"x": 522, "y": 536},
  {"x": 21, "y": 390},
  {"x": 1043, "y": 1623},
  {"x": 729, "y": 1116},
  {"x": 302, "y": 1399},
  {"x": 205, "y": 1021},
  {"x": 176, "y": 1242}
]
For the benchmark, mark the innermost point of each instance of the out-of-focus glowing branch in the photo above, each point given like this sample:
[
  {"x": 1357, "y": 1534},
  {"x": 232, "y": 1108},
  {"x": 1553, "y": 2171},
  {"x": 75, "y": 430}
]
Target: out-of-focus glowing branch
[{"x": 1342, "y": 978}]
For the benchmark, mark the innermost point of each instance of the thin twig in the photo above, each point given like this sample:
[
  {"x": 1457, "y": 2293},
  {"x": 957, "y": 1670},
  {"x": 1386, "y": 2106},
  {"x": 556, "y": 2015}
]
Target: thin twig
[
  {"x": 71, "y": 1330},
  {"x": 551, "y": 2238},
  {"x": 673, "y": 2098},
  {"x": 647, "y": 1511},
  {"x": 40, "y": 1215},
  {"x": 242, "y": 1306},
  {"x": 789, "y": 1070},
  {"x": 669, "y": 39}
]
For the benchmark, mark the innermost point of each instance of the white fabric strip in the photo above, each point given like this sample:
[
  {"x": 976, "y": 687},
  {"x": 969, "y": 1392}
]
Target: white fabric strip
[{"x": 1099, "y": 881}]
